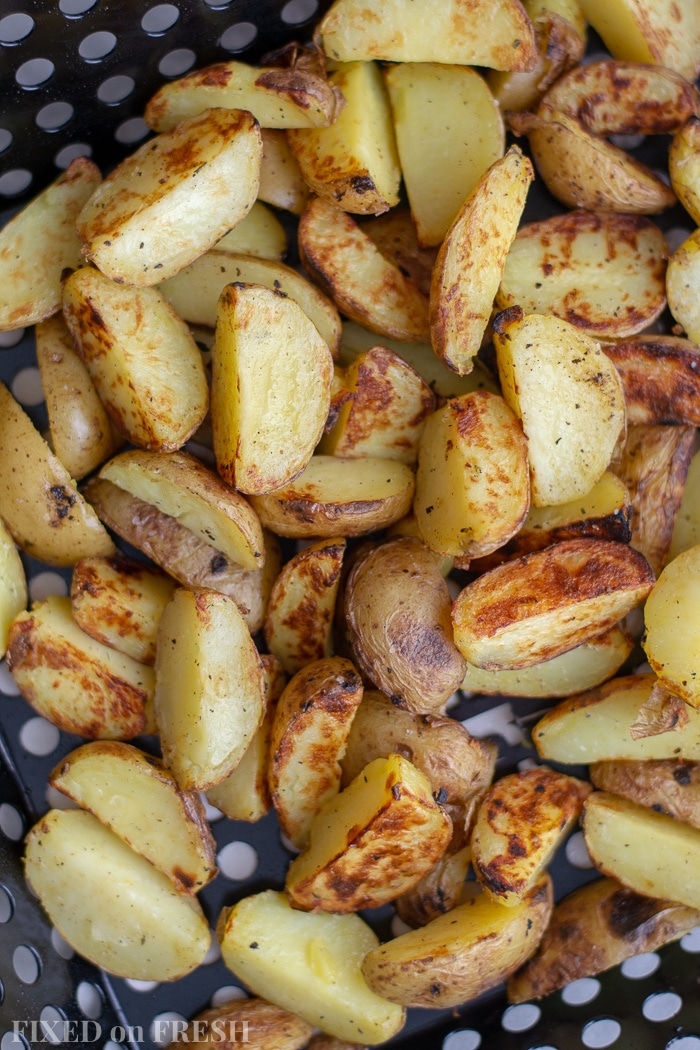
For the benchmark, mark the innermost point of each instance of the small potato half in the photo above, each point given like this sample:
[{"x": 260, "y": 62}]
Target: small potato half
[
  {"x": 670, "y": 785},
  {"x": 672, "y": 627}
]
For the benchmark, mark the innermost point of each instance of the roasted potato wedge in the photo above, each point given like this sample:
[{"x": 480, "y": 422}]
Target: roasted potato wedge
[
  {"x": 299, "y": 619},
  {"x": 270, "y": 388},
  {"x": 684, "y": 166},
  {"x": 74, "y": 681},
  {"x": 39, "y": 243},
  {"x": 81, "y": 433},
  {"x": 668, "y": 785},
  {"x": 385, "y": 412},
  {"x": 470, "y": 263},
  {"x": 309, "y": 963},
  {"x": 672, "y": 629},
  {"x": 265, "y": 1027},
  {"x": 134, "y": 794},
  {"x": 462, "y": 953},
  {"x": 602, "y": 272},
  {"x": 538, "y": 606},
  {"x": 571, "y": 445},
  {"x": 481, "y": 34},
  {"x": 661, "y": 854},
  {"x": 133, "y": 924},
  {"x": 13, "y": 585},
  {"x": 309, "y": 735},
  {"x": 298, "y": 96},
  {"x": 397, "y": 608},
  {"x": 143, "y": 360},
  {"x": 281, "y": 182},
  {"x": 260, "y": 234},
  {"x": 682, "y": 278},
  {"x": 660, "y": 377},
  {"x": 395, "y": 235},
  {"x": 365, "y": 285},
  {"x": 441, "y": 890},
  {"x": 195, "y": 291},
  {"x": 354, "y": 161},
  {"x": 473, "y": 479},
  {"x": 686, "y": 530},
  {"x": 173, "y": 198},
  {"x": 595, "y": 927},
  {"x": 653, "y": 466},
  {"x": 41, "y": 506},
  {"x": 448, "y": 129},
  {"x": 520, "y": 823},
  {"x": 595, "y": 727},
  {"x": 664, "y": 33},
  {"x": 578, "y": 669},
  {"x": 339, "y": 497},
  {"x": 119, "y": 601},
  {"x": 376, "y": 839},
  {"x": 209, "y": 687}
]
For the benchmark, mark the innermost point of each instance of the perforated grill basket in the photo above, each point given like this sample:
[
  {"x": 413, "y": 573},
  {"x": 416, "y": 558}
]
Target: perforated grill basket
[{"x": 74, "y": 79}]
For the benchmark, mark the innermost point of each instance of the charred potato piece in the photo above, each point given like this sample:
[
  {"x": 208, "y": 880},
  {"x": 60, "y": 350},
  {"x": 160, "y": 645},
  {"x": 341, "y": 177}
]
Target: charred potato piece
[
  {"x": 672, "y": 627},
  {"x": 136, "y": 796},
  {"x": 265, "y": 1026},
  {"x": 520, "y": 823},
  {"x": 74, "y": 681},
  {"x": 13, "y": 585},
  {"x": 669, "y": 785},
  {"x": 376, "y": 839},
  {"x": 462, "y": 953},
  {"x": 542, "y": 604},
  {"x": 660, "y": 377},
  {"x": 119, "y": 601},
  {"x": 438, "y": 892},
  {"x": 309, "y": 734},
  {"x": 595, "y": 727},
  {"x": 596, "y": 927},
  {"x": 397, "y": 607},
  {"x": 664, "y": 33},
  {"x": 309, "y": 963}
]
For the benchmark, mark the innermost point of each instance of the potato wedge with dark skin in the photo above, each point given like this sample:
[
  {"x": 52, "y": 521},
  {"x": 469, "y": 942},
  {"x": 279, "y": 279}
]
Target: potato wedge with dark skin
[
  {"x": 265, "y": 1027},
  {"x": 660, "y": 377},
  {"x": 669, "y": 785},
  {"x": 397, "y": 608},
  {"x": 596, "y": 927},
  {"x": 439, "y": 891},
  {"x": 309, "y": 735}
]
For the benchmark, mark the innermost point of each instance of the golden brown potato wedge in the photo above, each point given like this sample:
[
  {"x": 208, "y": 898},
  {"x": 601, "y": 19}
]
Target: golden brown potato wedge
[
  {"x": 660, "y": 377},
  {"x": 653, "y": 466},
  {"x": 335, "y": 496},
  {"x": 397, "y": 608},
  {"x": 260, "y": 234},
  {"x": 133, "y": 924},
  {"x": 473, "y": 478},
  {"x": 173, "y": 198},
  {"x": 664, "y": 32},
  {"x": 684, "y": 166},
  {"x": 449, "y": 130},
  {"x": 542, "y": 604},
  {"x": 309, "y": 963},
  {"x": 595, "y": 927},
  {"x": 372, "y": 842},
  {"x": 13, "y": 585},
  {"x": 81, "y": 433},
  {"x": 482, "y": 34},
  {"x": 441, "y": 890},
  {"x": 581, "y": 668},
  {"x": 209, "y": 687},
  {"x": 270, "y": 388},
  {"x": 265, "y": 1026},
  {"x": 595, "y": 727},
  {"x": 670, "y": 785},
  {"x": 195, "y": 291},
  {"x": 143, "y": 360},
  {"x": 354, "y": 161},
  {"x": 604, "y": 273},
  {"x": 298, "y": 96},
  {"x": 39, "y": 243},
  {"x": 74, "y": 681},
  {"x": 571, "y": 445},
  {"x": 661, "y": 854},
  {"x": 519, "y": 825},
  {"x": 672, "y": 628},
  {"x": 119, "y": 601},
  {"x": 470, "y": 263},
  {"x": 281, "y": 182},
  {"x": 686, "y": 530},
  {"x": 299, "y": 619},
  {"x": 462, "y": 953},
  {"x": 682, "y": 277},
  {"x": 134, "y": 794},
  {"x": 309, "y": 735},
  {"x": 395, "y": 235},
  {"x": 365, "y": 285},
  {"x": 41, "y": 506}
]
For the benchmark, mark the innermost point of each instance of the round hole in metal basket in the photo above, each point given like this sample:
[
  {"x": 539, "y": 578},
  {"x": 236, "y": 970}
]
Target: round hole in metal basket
[
  {"x": 39, "y": 737},
  {"x": 61, "y": 946},
  {"x": 15, "y": 27},
  {"x": 53, "y": 1024},
  {"x": 7, "y": 905},
  {"x": 601, "y": 1032},
  {"x": 691, "y": 942},
  {"x": 75, "y": 8},
  {"x": 464, "y": 1039},
  {"x": 116, "y": 89},
  {"x": 96, "y": 46},
  {"x": 160, "y": 19},
  {"x": 297, "y": 11},
  {"x": 226, "y": 994},
  {"x": 131, "y": 131},
  {"x": 11, "y": 822},
  {"x": 166, "y": 1026},
  {"x": 26, "y": 962},
  {"x": 581, "y": 992},
  {"x": 5, "y": 139},
  {"x": 13, "y": 1041},
  {"x": 177, "y": 62},
  {"x": 27, "y": 388},
  {"x": 684, "y": 1042},
  {"x": 237, "y": 860},
  {"x": 89, "y": 999},
  {"x": 54, "y": 116},
  {"x": 8, "y": 685},
  {"x": 45, "y": 584},
  {"x": 15, "y": 182},
  {"x": 640, "y": 966},
  {"x": 521, "y": 1018},
  {"x": 35, "y": 72},
  {"x": 661, "y": 1006},
  {"x": 65, "y": 157},
  {"x": 238, "y": 36}
]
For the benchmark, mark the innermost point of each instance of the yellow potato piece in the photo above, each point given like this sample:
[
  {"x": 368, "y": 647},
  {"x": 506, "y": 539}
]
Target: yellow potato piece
[
  {"x": 13, "y": 585},
  {"x": 260, "y": 234},
  {"x": 682, "y": 280},
  {"x": 684, "y": 166},
  {"x": 672, "y": 627},
  {"x": 663, "y": 32}
]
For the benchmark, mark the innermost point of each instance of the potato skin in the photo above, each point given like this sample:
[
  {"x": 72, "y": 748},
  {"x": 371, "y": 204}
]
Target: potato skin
[
  {"x": 397, "y": 608},
  {"x": 265, "y": 1026},
  {"x": 597, "y": 926},
  {"x": 660, "y": 377},
  {"x": 669, "y": 786}
]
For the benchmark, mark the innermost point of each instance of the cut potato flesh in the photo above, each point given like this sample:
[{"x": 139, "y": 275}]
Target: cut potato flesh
[
  {"x": 664, "y": 32},
  {"x": 672, "y": 638},
  {"x": 13, "y": 585}
]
